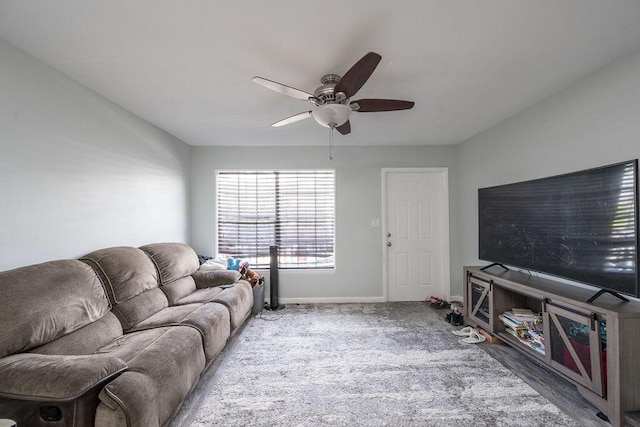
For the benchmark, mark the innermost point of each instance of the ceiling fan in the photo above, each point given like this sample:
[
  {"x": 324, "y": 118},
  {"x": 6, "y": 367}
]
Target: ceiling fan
[{"x": 332, "y": 99}]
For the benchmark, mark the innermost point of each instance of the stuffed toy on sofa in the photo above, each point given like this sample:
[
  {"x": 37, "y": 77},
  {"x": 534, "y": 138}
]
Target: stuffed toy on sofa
[
  {"x": 246, "y": 274},
  {"x": 233, "y": 263},
  {"x": 251, "y": 277}
]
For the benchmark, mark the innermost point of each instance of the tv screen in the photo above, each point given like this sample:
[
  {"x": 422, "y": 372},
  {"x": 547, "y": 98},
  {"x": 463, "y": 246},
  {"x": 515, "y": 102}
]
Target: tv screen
[{"x": 581, "y": 226}]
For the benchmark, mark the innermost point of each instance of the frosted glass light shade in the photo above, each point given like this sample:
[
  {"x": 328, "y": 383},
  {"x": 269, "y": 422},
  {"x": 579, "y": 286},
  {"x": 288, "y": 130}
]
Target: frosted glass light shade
[{"x": 331, "y": 114}]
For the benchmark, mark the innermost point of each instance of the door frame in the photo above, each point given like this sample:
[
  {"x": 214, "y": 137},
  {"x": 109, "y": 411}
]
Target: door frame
[{"x": 446, "y": 256}]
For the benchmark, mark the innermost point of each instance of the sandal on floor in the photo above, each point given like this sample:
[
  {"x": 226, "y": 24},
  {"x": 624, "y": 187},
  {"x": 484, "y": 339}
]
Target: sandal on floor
[
  {"x": 474, "y": 338},
  {"x": 464, "y": 332}
]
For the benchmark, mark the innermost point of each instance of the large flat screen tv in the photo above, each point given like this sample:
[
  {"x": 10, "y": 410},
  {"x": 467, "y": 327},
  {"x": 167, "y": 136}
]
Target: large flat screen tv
[{"x": 581, "y": 226}]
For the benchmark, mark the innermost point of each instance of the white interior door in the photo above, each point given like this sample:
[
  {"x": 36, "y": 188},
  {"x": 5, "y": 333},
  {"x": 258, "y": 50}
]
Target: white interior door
[{"x": 416, "y": 233}]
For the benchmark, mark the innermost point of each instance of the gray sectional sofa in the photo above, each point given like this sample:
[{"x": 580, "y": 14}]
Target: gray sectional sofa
[{"x": 118, "y": 337}]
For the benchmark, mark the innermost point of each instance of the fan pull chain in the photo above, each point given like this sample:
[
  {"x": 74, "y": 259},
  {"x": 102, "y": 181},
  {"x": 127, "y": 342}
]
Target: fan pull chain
[{"x": 331, "y": 128}]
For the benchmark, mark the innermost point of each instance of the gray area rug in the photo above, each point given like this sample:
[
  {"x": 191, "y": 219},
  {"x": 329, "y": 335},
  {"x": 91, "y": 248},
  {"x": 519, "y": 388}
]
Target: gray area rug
[{"x": 395, "y": 364}]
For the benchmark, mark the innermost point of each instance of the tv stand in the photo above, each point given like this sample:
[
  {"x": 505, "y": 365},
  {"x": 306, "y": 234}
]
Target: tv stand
[
  {"x": 592, "y": 341},
  {"x": 606, "y": 291},
  {"x": 495, "y": 264}
]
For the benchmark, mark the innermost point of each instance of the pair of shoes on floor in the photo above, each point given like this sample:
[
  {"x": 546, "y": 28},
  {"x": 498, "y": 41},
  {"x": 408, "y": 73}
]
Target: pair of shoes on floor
[
  {"x": 472, "y": 336},
  {"x": 454, "y": 318},
  {"x": 456, "y": 307},
  {"x": 440, "y": 304}
]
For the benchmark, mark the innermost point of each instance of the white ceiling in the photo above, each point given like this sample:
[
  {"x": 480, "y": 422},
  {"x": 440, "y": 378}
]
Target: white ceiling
[{"x": 186, "y": 65}]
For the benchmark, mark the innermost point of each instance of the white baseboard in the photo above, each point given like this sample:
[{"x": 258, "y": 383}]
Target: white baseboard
[
  {"x": 344, "y": 300},
  {"x": 332, "y": 300}
]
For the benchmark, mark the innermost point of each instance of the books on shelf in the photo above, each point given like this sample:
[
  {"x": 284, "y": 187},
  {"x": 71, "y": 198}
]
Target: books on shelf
[
  {"x": 525, "y": 338},
  {"x": 536, "y": 336},
  {"x": 520, "y": 315},
  {"x": 523, "y": 312},
  {"x": 521, "y": 323},
  {"x": 510, "y": 323}
]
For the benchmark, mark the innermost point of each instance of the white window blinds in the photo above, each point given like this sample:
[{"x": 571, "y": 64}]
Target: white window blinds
[{"x": 293, "y": 210}]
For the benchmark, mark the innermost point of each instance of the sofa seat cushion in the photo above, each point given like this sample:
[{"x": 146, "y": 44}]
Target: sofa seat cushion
[
  {"x": 164, "y": 364},
  {"x": 237, "y": 299},
  {"x": 239, "y": 302},
  {"x": 200, "y": 296},
  {"x": 42, "y": 302},
  {"x": 211, "y": 320}
]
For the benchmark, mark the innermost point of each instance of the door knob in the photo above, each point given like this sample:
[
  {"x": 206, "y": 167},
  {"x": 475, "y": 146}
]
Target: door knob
[{"x": 389, "y": 244}]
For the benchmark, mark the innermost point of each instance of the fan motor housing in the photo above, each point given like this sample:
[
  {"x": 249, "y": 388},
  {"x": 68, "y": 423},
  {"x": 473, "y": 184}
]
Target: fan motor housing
[{"x": 325, "y": 93}]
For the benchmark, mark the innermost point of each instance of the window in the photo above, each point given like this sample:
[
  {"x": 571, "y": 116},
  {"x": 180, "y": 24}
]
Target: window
[{"x": 293, "y": 210}]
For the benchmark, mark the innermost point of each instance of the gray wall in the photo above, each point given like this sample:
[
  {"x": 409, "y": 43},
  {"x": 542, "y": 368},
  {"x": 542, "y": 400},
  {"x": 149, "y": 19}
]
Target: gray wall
[
  {"x": 77, "y": 172},
  {"x": 592, "y": 123},
  {"x": 358, "y": 276}
]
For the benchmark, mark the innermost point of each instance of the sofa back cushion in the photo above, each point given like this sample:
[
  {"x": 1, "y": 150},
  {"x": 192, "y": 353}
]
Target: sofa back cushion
[
  {"x": 86, "y": 340},
  {"x": 42, "y": 302},
  {"x": 131, "y": 281},
  {"x": 176, "y": 262}
]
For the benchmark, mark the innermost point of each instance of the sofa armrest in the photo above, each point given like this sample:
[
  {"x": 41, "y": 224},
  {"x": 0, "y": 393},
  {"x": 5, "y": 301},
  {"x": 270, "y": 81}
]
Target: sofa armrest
[
  {"x": 207, "y": 278},
  {"x": 53, "y": 377}
]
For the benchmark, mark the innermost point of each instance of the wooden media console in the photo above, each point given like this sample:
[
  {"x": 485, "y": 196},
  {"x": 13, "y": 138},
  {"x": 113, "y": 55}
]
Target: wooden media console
[{"x": 594, "y": 345}]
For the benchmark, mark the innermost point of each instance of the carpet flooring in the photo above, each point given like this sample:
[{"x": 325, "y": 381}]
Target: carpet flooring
[{"x": 392, "y": 364}]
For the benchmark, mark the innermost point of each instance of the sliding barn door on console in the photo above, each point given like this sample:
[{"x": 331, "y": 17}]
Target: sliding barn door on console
[{"x": 416, "y": 230}]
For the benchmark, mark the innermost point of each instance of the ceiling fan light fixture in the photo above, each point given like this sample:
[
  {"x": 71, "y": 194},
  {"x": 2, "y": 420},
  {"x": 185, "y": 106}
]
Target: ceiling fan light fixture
[
  {"x": 329, "y": 115},
  {"x": 332, "y": 99}
]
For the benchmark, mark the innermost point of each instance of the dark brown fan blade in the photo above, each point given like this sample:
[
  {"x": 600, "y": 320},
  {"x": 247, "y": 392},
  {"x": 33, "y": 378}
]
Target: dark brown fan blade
[
  {"x": 292, "y": 119},
  {"x": 373, "y": 105},
  {"x": 358, "y": 75},
  {"x": 344, "y": 128},
  {"x": 283, "y": 89}
]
